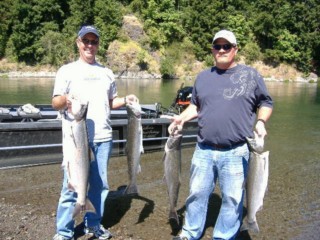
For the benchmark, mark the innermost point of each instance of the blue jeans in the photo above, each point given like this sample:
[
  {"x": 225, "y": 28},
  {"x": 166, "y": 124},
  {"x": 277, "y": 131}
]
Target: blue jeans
[
  {"x": 208, "y": 165},
  {"x": 97, "y": 193}
]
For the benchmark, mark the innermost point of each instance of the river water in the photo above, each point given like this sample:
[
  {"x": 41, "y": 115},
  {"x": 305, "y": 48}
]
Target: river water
[{"x": 292, "y": 204}]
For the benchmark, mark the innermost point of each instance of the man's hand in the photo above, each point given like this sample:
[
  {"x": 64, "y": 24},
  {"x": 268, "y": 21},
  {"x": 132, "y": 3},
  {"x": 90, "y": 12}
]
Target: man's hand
[
  {"x": 129, "y": 99},
  {"x": 176, "y": 126},
  {"x": 261, "y": 129}
]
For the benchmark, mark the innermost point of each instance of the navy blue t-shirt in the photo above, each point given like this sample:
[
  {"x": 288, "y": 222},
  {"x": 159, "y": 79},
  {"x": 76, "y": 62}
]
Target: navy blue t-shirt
[{"x": 227, "y": 102}]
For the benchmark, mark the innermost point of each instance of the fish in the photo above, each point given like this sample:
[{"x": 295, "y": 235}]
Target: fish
[
  {"x": 134, "y": 146},
  {"x": 172, "y": 171},
  {"x": 76, "y": 154},
  {"x": 256, "y": 184}
]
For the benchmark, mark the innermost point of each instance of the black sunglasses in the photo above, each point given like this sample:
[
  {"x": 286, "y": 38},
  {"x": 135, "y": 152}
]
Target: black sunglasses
[
  {"x": 225, "y": 47},
  {"x": 92, "y": 42}
]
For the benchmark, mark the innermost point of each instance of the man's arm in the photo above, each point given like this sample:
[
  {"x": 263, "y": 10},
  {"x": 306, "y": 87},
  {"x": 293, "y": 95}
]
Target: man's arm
[
  {"x": 263, "y": 116},
  {"x": 118, "y": 102},
  {"x": 188, "y": 114}
]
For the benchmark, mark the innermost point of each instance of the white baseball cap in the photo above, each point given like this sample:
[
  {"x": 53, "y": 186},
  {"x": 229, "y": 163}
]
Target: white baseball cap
[{"x": 227, "y": 35}]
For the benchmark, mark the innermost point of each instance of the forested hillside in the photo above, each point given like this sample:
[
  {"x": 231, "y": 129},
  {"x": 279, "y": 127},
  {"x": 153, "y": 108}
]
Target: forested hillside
[{"x": 42, "y": 32}]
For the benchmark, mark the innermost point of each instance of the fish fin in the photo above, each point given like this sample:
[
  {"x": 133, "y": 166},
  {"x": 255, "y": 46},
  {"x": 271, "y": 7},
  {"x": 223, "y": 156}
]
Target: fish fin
[
  {"x": 139, "y": 169},
  {"x": 250, "y": 226},
  {"x": 260, "y": 208},
  {"x": 174, "y": 215},
  {"x": 141, "y": 139},
  {"x": 164, "y": 179},
  {"x": 164, "y": 156},
  {"x": 141, "y": 147}
]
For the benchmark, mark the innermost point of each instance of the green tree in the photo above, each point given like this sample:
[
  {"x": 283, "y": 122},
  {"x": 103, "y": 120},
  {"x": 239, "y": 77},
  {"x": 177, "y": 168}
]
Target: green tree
[
  {"x": 78, "y": 13},
  {"x": 162, "y": 21},
  {"x": 52, "y": 47},
  {"x": 5, "y": 23},
  {"x": 108, "y": 19},
  {"x": 32, "y": 19},
  {"x": 201, "y": 19},
  {"x": 284, "y": 29},
  {"x": 287, "y": 45},
  {"x": 44, "y": 31}
]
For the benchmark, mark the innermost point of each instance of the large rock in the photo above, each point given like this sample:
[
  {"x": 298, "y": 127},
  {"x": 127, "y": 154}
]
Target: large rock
[
  {"x": 128, "y": 58},
  {"x": 133, "y": 28}
]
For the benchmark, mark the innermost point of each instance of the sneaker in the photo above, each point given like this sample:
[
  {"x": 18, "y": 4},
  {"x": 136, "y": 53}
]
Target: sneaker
[
  {"x": 179, "y": 238},
  {"x": 60, "y": 237},
  {"x": 99, "y": 232}
]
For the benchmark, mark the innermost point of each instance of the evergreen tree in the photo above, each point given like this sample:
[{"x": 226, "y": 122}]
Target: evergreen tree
[
  {"x": 5, "y": 23},
  {"x": 108, "y": 19},
  {"x": 44, "y": 31},
  {"x": 32, "y": 19}
]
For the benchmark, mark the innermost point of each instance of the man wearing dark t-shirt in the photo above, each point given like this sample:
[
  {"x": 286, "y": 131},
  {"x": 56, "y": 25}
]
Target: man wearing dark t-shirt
[{"x": 230, "y": 101}]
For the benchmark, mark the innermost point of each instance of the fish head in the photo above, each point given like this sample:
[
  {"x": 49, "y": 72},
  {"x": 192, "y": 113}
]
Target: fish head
[
  {"x": 78, "y": 108},
  {"x": 174, "y": 141},
  {"x": 134, "y": 109},
  {"x": 256, "y": 144}
]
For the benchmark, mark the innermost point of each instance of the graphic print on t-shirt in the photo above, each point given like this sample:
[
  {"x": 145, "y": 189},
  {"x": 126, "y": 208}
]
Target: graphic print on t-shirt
[{"x": 243, "y": 82}]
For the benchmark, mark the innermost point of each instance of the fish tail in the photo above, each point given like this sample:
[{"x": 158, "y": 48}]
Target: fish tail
[
  {"x": 132, "y": 189},
  {"x": 88, "y": 207},
  {"x": 174, "y": 215},
  {"x": 250, "y": 226}
]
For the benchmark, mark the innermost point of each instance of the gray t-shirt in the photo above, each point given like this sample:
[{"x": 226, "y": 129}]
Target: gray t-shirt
[
  {"x": 227, "y": 102},
  {"x": 95, "y": 84}
]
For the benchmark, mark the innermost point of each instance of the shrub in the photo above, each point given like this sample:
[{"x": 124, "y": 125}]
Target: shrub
[
  {"x": 251, "y": 52},
  {"x": 167, "y": 68}
]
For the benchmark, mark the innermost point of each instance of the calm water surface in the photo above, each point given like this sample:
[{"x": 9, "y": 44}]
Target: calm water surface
[
  {"x": 39, "y": 90},
  {"x": 292, "y": 205}
]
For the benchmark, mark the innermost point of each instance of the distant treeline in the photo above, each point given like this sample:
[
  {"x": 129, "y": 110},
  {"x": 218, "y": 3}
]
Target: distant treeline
[{"x": 43, "y": 31}]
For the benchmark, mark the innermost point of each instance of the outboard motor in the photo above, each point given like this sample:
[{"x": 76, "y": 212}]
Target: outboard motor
[{"x": 183, "y": 98}]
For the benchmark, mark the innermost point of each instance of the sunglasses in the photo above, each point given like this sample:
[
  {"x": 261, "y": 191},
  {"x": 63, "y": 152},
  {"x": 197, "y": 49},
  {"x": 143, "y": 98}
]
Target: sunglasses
[
  {"x": 225, "y": 47},
  {"x": 87, "y": 42}
]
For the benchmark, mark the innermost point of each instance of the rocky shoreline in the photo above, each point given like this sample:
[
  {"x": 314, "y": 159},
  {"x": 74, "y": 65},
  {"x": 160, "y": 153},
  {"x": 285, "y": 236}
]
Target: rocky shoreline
[
  {"x": 52, "y": 74},
  {"x": 312, "y": 78}
]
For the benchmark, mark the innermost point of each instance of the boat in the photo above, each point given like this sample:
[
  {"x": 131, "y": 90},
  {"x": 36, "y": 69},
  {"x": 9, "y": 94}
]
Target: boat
[{"x": 31, "y": 135}]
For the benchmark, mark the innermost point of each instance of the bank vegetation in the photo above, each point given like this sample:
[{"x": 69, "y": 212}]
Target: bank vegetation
[{"x": 161, "y": 38}]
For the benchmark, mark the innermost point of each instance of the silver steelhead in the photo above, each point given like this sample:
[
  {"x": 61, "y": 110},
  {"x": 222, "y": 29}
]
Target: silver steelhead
[
  {"x": 172, "y": 171},
  {"x": 134, "y": 146},
  {"x": 76, "y": 154},
  {"x": 256, "y": 186}
]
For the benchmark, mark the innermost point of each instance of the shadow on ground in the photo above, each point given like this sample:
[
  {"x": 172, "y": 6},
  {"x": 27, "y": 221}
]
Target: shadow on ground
[{"x": 118, "y": 204}]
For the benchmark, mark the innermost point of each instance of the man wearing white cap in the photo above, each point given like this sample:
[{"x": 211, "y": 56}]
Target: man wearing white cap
[
  {"x": 230, "y": 100},
  {"x": 93, "y": 83}
]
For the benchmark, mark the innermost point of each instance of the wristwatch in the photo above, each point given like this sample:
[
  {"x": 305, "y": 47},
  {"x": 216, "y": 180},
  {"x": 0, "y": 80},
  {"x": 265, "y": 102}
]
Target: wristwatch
[{"x": 261, "y": 120}]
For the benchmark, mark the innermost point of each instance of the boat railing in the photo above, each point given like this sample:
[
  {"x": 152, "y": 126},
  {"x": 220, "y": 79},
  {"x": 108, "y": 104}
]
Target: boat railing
[{"x": 38, "y": 146}]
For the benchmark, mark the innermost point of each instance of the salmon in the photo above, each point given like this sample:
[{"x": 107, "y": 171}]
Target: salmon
[{"x": 76, "y": 154}]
